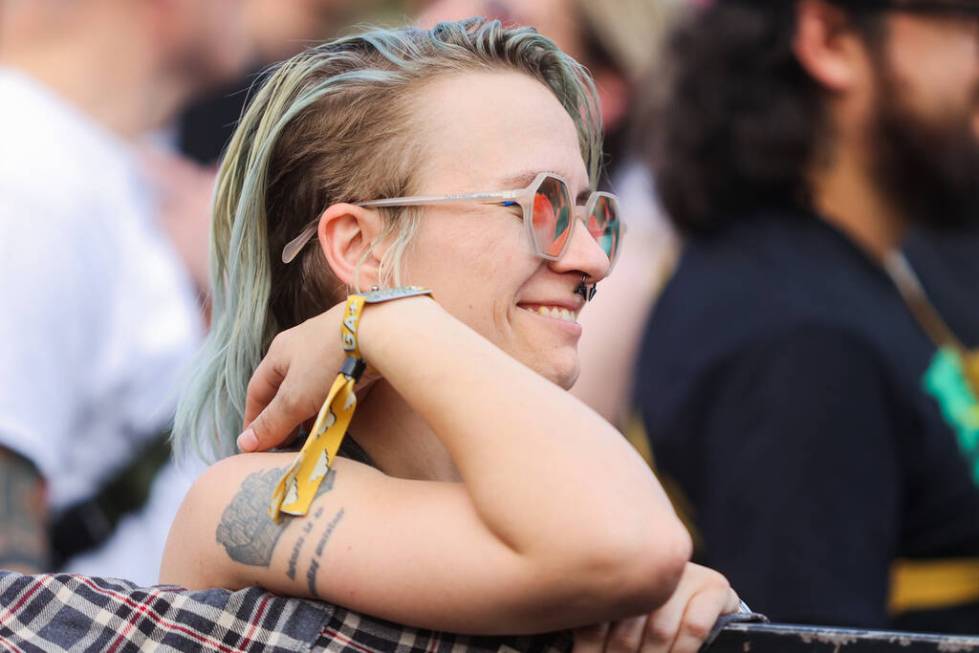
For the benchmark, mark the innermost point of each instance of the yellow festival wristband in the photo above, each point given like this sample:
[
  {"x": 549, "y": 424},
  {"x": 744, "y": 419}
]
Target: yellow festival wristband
[{"x": 297, "y": 488}]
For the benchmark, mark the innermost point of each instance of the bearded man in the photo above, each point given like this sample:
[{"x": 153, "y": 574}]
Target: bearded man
[{"x": 811, "y": 401}]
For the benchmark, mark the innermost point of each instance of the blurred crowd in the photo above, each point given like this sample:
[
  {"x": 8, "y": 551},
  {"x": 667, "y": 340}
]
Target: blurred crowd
[{"x": 789, "y": 337}]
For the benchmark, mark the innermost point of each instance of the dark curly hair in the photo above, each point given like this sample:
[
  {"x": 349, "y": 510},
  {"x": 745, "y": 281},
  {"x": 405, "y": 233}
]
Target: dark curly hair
[{"x": 733, "y": 120}]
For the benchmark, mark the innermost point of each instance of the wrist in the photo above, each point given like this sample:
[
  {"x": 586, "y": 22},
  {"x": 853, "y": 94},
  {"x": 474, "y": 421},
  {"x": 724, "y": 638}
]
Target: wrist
[{"x": 390, "y": 322}]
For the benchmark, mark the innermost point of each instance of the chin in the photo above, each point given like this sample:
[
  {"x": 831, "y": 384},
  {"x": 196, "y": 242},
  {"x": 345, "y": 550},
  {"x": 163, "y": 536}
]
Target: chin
[
  {"x": 559, "y": 365},
  {"x": 563, "y": 375}
]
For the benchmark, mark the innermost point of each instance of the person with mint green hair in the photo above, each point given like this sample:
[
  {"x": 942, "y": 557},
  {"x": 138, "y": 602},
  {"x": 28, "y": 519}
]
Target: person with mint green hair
[{"x": 452, "y": 169}]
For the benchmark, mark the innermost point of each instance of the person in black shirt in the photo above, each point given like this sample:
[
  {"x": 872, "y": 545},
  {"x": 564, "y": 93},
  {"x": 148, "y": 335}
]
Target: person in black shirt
[{"x": 806, "y": 399}]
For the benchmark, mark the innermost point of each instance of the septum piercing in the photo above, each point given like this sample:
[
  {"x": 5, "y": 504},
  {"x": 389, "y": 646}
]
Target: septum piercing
[{"x": 588, "y": 293}]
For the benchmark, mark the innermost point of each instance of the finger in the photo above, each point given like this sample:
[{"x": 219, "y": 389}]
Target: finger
[
  {"x": 663, "y": 624},
  {"x": 276, "y": 423},
  {"x": 264, "y": 385},
  {"x": 699, "y": 619},
  {"x": 733, "y": 603},
  {"x": 625, "y": 636},
  {"x": 590, "y": 639}
]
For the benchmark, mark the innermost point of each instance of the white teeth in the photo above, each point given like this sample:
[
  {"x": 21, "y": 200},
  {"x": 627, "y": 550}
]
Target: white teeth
[{"x": 556, "y": 312}]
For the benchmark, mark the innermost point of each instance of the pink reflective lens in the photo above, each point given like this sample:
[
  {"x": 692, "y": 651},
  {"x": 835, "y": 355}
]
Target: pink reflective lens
[
  {"x": 603, "y": 224},
  {"x": 552, "y": 216}
]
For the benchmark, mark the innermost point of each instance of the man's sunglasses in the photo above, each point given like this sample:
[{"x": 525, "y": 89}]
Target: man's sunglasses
[{"x": 549, "y": 212}]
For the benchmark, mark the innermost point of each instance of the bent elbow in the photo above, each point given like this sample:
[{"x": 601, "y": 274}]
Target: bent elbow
[
  {"x": 657, "y": 572},
  {"x": 638, "y": 575}
]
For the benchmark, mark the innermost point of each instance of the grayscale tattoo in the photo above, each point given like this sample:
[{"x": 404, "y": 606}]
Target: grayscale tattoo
[
  {"x": 246, "y": 531},
  {"x": 23, "y": 515},
  {"x": 314, "y": 565},
  {"x": 294, "y": 557}
]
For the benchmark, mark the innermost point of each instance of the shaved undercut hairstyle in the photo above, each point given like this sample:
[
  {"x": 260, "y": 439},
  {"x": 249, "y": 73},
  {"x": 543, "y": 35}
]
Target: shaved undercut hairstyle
[{"x": 337, "y": 123}]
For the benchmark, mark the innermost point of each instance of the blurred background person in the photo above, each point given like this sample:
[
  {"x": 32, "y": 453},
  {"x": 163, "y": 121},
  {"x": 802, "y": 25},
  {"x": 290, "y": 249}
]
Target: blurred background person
[
  {"x": 101, "y": 308},
  {"x": 810, "y": 398},
  {"x": 181, "y": 159},
  {"x": 278, "y": 30},
  {"x": 618, "y": 41}
]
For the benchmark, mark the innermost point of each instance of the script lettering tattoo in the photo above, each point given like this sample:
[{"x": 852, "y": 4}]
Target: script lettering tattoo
[
  {"x": 23, "y": 514},
  {"x": 294, "y": 557},
  {"x": 314, "y": 565},
  {"x": 246, "y": 531}
]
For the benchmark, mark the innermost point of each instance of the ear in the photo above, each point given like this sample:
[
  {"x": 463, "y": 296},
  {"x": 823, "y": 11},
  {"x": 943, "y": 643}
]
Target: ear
[
  {"x": 348, "y": 236},
  {"x": 827, "y": 46}
]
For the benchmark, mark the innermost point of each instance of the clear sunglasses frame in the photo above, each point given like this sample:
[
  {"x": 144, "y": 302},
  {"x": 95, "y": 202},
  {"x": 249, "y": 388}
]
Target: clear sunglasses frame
[{"x": 523, "y": 197}]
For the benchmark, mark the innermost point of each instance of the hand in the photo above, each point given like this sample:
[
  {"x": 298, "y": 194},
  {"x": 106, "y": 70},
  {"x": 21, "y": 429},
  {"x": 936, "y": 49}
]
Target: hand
[
  {"x": 292, "y": 381},
  {"x": 679, "y": 626}
]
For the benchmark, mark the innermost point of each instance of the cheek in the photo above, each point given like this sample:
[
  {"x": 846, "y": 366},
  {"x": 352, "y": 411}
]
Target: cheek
[
  {"x": 939, "y": 68},
  {"x": 474, "y": 269}
]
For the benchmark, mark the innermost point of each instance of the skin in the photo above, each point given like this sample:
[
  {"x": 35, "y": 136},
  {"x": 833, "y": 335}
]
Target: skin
[
  {"x": 556, "y": 522},
  {"x": 511, "y": 279},
  {"x": 934, "y": 59}
]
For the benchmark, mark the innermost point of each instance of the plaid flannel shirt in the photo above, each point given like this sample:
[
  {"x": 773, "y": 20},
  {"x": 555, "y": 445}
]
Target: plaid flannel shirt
[{"x": 68, "y": 612}]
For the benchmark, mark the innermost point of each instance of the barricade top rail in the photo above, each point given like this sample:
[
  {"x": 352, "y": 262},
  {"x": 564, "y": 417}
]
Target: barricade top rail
[{"x": 737, "y": 637}]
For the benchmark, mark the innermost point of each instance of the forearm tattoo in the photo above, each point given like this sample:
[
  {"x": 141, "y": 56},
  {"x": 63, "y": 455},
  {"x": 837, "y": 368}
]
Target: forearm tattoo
[
  {"x": 23, "y": 516},
  {"x": 246, "y": 531}
]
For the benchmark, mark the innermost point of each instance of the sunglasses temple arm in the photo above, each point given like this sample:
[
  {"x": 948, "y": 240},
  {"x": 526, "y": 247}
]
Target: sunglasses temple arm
[
  {"x": 423, "y": 200},
  {"x": 295, "y": 245}
]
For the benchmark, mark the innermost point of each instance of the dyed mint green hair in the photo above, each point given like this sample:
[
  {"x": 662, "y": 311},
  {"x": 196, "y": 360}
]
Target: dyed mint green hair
[{"x": 333, "y": 124}]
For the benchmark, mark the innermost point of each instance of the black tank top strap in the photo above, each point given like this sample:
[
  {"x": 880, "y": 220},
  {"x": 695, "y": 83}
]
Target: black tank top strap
[{"x": 350, "y": 449}]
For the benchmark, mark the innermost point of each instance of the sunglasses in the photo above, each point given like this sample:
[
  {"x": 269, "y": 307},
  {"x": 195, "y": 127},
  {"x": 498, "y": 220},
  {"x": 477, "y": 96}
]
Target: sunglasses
[{"x": 549, "y": 213}]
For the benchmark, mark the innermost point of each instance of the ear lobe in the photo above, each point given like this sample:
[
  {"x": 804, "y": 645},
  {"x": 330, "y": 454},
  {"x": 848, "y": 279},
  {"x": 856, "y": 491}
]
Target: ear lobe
[
  {"x": 347, "y": 235},
  {"x": 826, "y": 45}
]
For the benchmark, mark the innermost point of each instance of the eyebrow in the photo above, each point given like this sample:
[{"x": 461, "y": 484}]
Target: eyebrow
[{"x": 523, "y": 179}]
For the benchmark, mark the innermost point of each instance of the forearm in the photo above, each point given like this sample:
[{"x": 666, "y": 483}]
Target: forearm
[
  {"x": 23, "y": 516},
  {"x": 520, "y": 440}
]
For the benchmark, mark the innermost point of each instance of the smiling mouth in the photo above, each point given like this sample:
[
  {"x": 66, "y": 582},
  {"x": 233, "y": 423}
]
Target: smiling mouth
[{"x": 556, "y": 312}]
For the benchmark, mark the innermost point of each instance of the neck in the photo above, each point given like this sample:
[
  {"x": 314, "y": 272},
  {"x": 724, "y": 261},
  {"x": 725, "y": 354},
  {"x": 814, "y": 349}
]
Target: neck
[
  {"x": 128, "y": 94},
  {"x": 398, "y": 440},
  {"x": 846, "y": 196}
]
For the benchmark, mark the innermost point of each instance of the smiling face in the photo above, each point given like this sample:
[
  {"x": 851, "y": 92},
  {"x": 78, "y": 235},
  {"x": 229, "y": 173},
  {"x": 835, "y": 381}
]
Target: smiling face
[{"x": 489, "y": 131}]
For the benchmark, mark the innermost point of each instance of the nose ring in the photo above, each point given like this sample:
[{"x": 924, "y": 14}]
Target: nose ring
[{"x": 587, "y": 292}]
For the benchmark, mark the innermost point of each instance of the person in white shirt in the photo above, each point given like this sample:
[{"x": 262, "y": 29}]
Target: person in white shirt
[{"x": 100, "y": 313}]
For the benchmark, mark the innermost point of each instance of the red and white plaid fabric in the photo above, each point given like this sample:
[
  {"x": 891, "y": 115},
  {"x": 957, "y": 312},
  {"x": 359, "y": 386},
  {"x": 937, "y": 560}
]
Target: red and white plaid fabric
[
  {"x": 68, "y": 612},
  {"x": 62, "y": 612}
]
